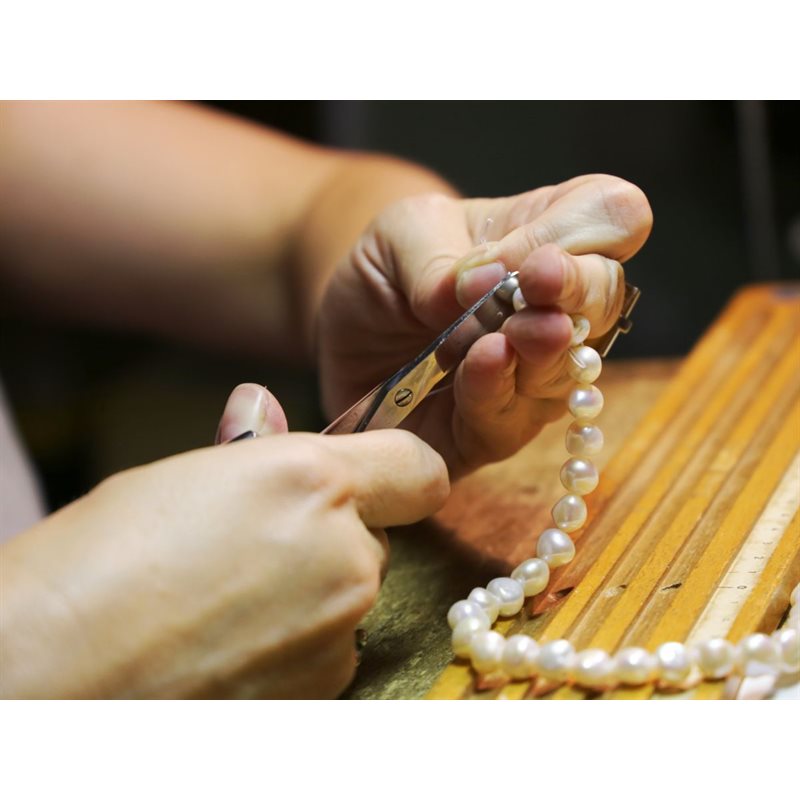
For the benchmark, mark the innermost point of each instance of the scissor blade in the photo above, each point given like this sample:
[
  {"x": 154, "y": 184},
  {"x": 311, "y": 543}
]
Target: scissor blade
[{"x": 387, "y": 405}]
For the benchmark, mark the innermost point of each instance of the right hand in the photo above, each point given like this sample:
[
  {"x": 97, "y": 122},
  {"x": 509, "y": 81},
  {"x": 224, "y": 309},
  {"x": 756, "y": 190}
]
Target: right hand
[{"x": 235, "y": 571}]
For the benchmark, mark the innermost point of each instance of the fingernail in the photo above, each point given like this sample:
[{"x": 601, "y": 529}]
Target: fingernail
[
  {"x": 246, "y": 410},
  {"x": 473, "y": 283}
]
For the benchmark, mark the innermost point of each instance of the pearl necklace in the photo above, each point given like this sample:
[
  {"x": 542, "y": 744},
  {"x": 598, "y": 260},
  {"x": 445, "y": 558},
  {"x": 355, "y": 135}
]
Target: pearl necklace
[{"x": 520, "y": 657}]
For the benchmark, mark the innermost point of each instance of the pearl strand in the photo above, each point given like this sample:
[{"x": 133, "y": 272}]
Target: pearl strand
[{"x": 520, "y": 657}]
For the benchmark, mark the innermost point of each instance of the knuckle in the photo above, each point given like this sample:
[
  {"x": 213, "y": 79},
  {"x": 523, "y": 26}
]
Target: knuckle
[
  {"x": 311, "y": 468},
  {"x": 409, "y": 450}
]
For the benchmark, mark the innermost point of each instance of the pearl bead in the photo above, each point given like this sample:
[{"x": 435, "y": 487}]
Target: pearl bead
[
  {"x": 579, "y": 475},
  {"x": 509, "y": 593},
  {"x": 584, "y": 364},
  {"x": 795, "y": 595},
  {"x": 758, "y": 654},
  {"x": 583, "y": 439},
  {"x": 533, "y": 574},
  {"x": 463, "y": 633},
  {"x": 464, "y": 609},
  {"x": 555, "y": 548},
  {"x": 569, "y": 513},
  {"x": 519, "y": 656},
  {"x": 635, "y": 666},
  {"x": 594, "y": 668},
  {"x": 487, "y": 601},
  {"x": 517, "y": 300},
  {"x": 674, "y": 662},
  {"x": 794, "y": 617},
  {"x": 580, "y": 330},
  {"x": 555, "y": 660},
  {"x": 788, "y": 641},
  {"x": 585, "y": 402},
  {"x": 716, "y": 658},
  {"x": 486, "y": 650}
]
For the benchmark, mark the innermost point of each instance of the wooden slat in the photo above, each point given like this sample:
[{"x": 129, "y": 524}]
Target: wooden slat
[{"x": 677, "y": 502}]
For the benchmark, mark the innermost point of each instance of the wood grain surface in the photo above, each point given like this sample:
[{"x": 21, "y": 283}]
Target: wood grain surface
[{"x": 675, "y": 506}]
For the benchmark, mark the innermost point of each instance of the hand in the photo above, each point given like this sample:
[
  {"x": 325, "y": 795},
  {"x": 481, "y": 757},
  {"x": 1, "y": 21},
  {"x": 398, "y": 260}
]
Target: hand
[
  {"x": 234, "y": 571},
  {"x": 417, "y": 267}
]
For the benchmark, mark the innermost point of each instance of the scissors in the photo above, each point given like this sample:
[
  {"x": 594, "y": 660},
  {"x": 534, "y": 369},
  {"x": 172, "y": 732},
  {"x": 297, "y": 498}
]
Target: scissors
[{"x": 389, "y": 403}]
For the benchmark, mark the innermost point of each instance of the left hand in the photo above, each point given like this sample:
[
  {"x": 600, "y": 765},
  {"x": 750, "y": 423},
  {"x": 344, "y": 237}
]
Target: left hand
[{"x": 408, "y": 278}]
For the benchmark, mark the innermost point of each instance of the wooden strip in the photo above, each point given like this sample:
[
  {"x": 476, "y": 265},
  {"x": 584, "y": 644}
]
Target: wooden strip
[
  {"x": 750, "y": 320},
  {"x": 700, "y": 493},
  {"x": 704, "y": 577},
  {"x": 657, "y": 486}
]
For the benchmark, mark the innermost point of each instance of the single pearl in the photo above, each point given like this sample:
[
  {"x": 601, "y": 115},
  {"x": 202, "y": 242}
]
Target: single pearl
[
  {"x": 487, "y": 601},
  {"x": 794, "y": 617},
  {"x": 584, "y": 364},
  {"x": 788, "y": 641},
  {"x": 580, "y": 329},
  {"x": 795, "y": 595},
  {"x": 579, "y": 475},
  {"x": 486, "y": 650},
  {"x": 635, "y": 666},
  {"x": 758, "y": 654},
  {"x": 463, "y": 633},
  {"x": 466, "y": 608},
  {"x": 509, "y": 593},
  {"x": 569, "y": 513},
  {"x": 555, "y": 660},
  {"x": 555, "y": 548},
  {"x": 583, "y": 439},
  {"x": 585, "y": 402},
  {"x": 674, "y": 662},
  {"x": 519, "y": 656},
  {"x": 517, "y": 300},
  {"x": 533, "y": 574},
  {"x": 716, "y": 658},
  {"x": 594, "y": 668}
]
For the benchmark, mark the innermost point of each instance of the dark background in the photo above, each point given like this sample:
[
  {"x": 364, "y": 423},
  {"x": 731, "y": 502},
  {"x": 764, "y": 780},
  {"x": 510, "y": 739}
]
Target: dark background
[{"x": 723, "y": 179}]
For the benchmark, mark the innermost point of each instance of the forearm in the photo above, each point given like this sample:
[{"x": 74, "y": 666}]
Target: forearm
[{"x": 173, "y": 219}]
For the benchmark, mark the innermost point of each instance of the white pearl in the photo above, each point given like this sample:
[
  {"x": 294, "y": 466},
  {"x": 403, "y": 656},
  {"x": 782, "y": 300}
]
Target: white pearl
[
  {"x": 519, "y": 656},
  {"x": 788, "y": 641},
  {"x": 569, "y": 513},
  {"x": 585, "y": 402},
  {"x": 486, "y": 650},
  {"x": 555, "y": 660},
  {"x": 758, "y": 654},
  {"x": 517, "y": 300},
  {"x": 509, "y": 593},
  {"x": 674, "y": 662},
  {"x": 716, "y": 658},
  {"x": 594, "y": 668},
  {"x": 463, "y": 633},
  {"x": 584, "y": 364},
  {"x": 533, "y": 574},
  {"x": 580, "y": 329},
  {"x": 464, "y": 609},
  {"x": 487, "y": 601},
  {"x": 635, "y": 666},
  {"x": 555, "y": 548},
  {"x": 579, "y": 475},
  {"x": 794, "y": 617},
  {"x": 583, "y": 439},
  {"x": 795, "y": 595}
]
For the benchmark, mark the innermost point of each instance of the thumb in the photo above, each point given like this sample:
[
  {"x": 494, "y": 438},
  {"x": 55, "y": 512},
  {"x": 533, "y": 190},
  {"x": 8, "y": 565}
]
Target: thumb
[{"x": 250, "y": 407}]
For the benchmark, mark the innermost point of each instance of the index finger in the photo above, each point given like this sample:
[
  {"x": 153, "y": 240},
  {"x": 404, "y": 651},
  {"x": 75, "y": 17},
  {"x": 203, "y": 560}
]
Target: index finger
[{"x": 396, "y": 478}]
